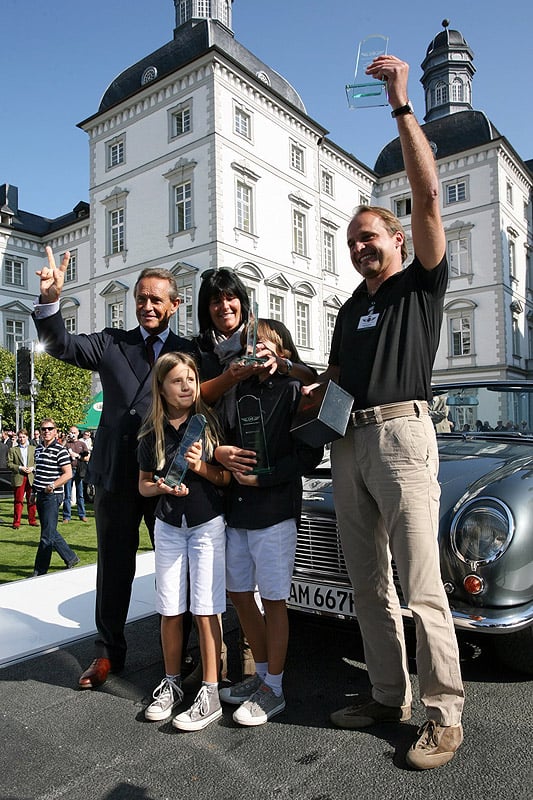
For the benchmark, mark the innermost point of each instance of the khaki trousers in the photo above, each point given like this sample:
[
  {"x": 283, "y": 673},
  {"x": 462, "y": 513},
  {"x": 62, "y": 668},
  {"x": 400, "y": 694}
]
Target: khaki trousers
[{"x": 387, "y": 503}]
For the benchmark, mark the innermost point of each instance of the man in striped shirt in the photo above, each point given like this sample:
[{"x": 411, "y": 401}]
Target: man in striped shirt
[{"x": 52, "y": 471}]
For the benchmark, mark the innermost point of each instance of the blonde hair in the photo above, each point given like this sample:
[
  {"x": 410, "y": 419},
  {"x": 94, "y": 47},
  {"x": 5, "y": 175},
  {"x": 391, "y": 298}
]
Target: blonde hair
[{"x": 157, "y": 414}]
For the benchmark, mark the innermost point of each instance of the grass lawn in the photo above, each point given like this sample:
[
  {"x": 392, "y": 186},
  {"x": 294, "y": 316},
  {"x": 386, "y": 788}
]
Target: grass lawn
[{"x": 18, "y": 548}]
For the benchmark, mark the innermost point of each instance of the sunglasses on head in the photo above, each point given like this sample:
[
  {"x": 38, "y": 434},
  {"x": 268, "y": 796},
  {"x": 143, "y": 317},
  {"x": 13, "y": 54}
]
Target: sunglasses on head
[
  {"x": 208, "y": 273},
  {"x": 48, "y": 428}
]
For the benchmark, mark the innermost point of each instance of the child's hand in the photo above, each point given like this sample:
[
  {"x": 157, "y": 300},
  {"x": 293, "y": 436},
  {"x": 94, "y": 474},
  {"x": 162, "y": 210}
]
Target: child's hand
[
  {"x": 235, "y": 458},
  {"x": 246, "y": 480},
  {"x": 180, "y": 491},
  {"x": 193, "y": 456}
]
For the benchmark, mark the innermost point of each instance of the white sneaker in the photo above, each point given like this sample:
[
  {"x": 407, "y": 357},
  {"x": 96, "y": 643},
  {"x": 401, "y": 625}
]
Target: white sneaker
[
  {"x": 205, "y": 709},
  {"x": 239, "y": 692},
  {"x": 166, "y": 696},
  {"x": 261, "y": 706}
]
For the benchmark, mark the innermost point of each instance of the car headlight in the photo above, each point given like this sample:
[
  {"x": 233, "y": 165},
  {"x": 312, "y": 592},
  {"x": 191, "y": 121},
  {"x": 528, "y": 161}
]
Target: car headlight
[{"x": 481, "y": 531}]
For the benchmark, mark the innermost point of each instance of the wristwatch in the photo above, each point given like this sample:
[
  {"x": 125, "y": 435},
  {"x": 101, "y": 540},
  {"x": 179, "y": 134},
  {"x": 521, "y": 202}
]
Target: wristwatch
[
  {"x": 288, "y": 364},
  {"x": 406, "y": 109}
]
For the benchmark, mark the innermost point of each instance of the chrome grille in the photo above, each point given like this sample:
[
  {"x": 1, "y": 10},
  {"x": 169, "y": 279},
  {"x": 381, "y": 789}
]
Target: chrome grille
[
  {"x": 319, "y": 553},
  {"x": 318, "y": 550}
]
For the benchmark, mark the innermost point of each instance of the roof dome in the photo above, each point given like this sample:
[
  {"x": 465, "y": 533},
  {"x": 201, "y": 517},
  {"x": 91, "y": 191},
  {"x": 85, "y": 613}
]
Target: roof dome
[
  {"x": 446, "y": 39},
  {"x": 451, "y": 134}
]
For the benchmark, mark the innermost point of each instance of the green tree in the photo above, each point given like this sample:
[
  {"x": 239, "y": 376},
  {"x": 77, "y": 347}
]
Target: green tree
[
  {"x": 7, "y": 405},
  {"x": 64, "y": 391}
]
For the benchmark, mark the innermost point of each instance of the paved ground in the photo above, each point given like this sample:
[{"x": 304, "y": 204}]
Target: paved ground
[{"x": 58, "y": 742}]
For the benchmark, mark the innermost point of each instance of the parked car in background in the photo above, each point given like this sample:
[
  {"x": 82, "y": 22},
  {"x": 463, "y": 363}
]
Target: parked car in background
[{"x": 486, "y": 520}]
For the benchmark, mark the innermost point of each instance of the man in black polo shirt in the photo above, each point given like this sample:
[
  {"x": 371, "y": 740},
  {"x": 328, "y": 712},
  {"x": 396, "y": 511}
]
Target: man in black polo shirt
[
  {"x": 52, "y": 471},
  {"x": 385, "y": 468}
]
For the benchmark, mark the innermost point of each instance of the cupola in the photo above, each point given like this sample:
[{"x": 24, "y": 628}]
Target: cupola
[{"x": 447, "y": 74}]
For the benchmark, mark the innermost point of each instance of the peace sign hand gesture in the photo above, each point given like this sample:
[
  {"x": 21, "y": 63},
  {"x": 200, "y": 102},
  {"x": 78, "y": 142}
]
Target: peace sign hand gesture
[{"x": 52, "y": 277}]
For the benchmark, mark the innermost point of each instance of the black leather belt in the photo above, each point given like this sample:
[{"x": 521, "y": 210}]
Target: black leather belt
[{"x": 377, "y": 414}]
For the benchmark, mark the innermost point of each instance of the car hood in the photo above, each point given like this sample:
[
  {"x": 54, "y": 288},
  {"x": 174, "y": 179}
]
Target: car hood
[{"x": 467, "y": 467}]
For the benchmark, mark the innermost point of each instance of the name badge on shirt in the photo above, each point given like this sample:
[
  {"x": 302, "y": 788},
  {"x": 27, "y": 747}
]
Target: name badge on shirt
[{"x": 368, "y": 321}]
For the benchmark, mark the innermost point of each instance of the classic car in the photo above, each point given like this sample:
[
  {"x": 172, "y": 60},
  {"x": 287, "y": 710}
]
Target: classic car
[{"x": 485, "y": 439}]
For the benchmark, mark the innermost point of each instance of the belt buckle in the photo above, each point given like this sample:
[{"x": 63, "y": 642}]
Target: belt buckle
[{"x": 366, "y": 417}]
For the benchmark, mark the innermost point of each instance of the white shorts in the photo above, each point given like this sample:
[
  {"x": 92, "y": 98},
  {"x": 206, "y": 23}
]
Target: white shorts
[
  {"x": 261, "y": 558},
  {"x": 196, "y": 554}
]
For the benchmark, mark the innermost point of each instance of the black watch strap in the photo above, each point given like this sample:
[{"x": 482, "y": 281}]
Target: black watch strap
[{"x": 399, "y": 112}]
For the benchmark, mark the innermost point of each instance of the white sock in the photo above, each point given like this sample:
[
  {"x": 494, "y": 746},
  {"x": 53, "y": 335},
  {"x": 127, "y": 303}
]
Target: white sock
[
  {"x": 275, "y": 682},
  {"x": 261, "y": 667}
]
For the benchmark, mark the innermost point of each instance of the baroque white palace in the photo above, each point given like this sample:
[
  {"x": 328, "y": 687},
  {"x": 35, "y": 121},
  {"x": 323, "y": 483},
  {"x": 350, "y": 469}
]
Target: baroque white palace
[{"x": 202, "y": 156}]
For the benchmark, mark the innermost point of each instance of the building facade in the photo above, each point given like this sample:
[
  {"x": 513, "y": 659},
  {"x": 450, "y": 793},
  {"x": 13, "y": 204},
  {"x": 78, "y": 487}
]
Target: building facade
[{"x": 202, "y": 156}]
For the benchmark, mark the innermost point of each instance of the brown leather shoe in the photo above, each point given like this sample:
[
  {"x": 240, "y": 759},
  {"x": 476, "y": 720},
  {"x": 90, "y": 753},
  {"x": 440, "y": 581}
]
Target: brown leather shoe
[
  {"x": 435, "y": 746},
  {"x": 96, "y": 674}
]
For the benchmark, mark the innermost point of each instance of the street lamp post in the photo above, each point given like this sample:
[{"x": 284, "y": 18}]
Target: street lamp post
[{"x": 34, "y": 391}]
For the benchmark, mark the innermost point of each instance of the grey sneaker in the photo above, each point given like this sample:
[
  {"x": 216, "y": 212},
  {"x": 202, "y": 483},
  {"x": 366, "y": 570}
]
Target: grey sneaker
[
  {"x": 239, "y": 692},
  {"x": 205, "y": 709},
  {"x": 435, "y": 746},
  {"x": 166, "y": 696},
  {"x": 260, "y": 707},
  {"x": 366, "y": 712}
]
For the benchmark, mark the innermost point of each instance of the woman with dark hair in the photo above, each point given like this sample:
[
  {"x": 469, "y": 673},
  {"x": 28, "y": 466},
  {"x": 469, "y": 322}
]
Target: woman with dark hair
[{"x": 223, "y": 313}]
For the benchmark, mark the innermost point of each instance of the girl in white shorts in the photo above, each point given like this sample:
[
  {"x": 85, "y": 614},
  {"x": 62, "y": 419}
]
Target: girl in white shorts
[{"x": 189, "y": 536}]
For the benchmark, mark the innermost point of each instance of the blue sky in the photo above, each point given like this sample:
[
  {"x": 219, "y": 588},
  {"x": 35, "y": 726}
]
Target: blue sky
[{"x": 58, "y": 57}]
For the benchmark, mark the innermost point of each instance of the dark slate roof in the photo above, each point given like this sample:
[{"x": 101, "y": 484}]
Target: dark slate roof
[
  {"x": 191, "y": 41},
  {"x": 446, "y": 39},
  {"x": 451, "y": 134},
  {"x": 42, "y": 226}
]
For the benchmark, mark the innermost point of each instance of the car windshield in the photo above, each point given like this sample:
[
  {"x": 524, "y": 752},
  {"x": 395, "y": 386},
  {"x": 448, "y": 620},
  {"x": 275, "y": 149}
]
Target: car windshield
[{"x": 496, "y": 409}]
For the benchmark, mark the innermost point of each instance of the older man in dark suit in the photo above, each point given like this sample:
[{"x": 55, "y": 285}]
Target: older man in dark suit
[{"x": 123, "y": 360}]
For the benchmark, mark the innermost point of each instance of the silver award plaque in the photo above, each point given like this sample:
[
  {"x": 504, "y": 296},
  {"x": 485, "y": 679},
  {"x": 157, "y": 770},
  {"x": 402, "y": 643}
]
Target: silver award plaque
[
  {"x": 252, "y": 430},
  {"x": 250, "y": 356},
  {"x": 193, "y": 433}
]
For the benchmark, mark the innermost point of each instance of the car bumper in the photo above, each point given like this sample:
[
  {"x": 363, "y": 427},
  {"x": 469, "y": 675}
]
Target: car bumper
[{"x": 335, "y": 599}]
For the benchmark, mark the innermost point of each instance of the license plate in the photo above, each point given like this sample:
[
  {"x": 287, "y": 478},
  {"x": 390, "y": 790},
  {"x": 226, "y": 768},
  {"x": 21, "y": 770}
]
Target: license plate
[{"x": 308, "y": 596}]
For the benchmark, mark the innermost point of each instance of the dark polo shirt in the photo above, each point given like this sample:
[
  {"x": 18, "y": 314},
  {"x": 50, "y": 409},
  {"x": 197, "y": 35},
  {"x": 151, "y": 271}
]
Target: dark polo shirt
[{"x": 385, "y": 346}]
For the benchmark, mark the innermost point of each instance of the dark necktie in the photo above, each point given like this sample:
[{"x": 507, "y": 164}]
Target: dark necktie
[{"x": 150, "y": 352}]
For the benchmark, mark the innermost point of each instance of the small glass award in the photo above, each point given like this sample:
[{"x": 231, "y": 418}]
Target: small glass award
[
  {"x": 250, "y": 356},
  {"x": 366, "y": 92},
  {"x": 179, "y": 466},
  {"x": 252, "y": 428}
]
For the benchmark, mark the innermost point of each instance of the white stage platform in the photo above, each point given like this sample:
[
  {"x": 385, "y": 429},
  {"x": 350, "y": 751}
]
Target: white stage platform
[{"x": 38, "y": 615}]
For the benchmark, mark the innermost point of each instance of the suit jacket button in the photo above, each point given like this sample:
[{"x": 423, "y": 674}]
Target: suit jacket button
[{"x": 132, "y": 411}]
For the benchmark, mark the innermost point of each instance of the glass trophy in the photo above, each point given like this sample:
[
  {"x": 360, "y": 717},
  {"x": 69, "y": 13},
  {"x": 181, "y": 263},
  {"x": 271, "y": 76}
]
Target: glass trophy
[
  {"x": 367, "y": 92},
  {"x": 179, "y": 466},
  {"x": 252, "y": 428},
  {"x": 250, "y": 356}
]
